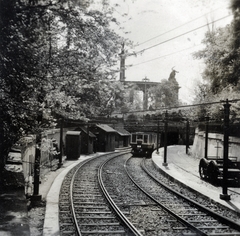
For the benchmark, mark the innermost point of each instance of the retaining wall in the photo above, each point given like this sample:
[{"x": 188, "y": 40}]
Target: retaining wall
[{"x": 215, "y": 145}]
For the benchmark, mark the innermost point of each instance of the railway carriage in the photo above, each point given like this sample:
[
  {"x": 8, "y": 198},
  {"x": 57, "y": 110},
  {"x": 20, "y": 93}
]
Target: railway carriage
[{"x": 143, "y": 144}]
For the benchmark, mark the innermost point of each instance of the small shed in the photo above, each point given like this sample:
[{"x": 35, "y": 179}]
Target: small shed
[
  {"x": 105, "y": 137},
  {"x": 122, "y": 138},
  {"x": 87, "y": 140},
  {"x": 73, "y": 145}
]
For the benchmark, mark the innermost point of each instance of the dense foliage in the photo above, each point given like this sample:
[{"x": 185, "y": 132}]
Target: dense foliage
[
  {"x": 55, "y": 61},
  {"x": 221, "y": 75},
  {"x": 165, "y": 95}
]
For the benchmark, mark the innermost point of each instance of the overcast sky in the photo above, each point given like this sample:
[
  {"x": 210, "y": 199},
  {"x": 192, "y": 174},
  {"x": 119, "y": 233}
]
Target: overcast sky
[{"x": 152, "y": 22}]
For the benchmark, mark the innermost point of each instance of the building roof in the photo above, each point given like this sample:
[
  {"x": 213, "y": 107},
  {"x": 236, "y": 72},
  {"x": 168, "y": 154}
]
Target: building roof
[
  {"x": 73, "y": 132},
  {"x": 122, "y": 132},
  {"x": 89, "y": 132},
  {"x": 106, "y": 128}
]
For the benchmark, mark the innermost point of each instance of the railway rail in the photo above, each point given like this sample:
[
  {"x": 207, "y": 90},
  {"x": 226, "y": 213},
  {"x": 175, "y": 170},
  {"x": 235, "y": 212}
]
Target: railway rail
[
  {"x": 200, "y": 219},
  {"x": 146, "y": 215},
  {"x": 156, "y": 211},
  {"x": 84, "y": 203}
]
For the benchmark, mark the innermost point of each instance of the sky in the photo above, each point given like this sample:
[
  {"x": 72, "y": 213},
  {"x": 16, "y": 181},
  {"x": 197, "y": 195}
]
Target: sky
[{"x": 168, "y": 32}]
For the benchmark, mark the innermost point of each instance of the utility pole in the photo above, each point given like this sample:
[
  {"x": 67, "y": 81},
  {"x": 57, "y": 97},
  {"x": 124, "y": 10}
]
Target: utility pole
[
  {"x": 206, "y": 137},
  {"x": 165, "y": 139},
  {"x": 187, "y": 136},
  {"x": 224, "y": 195},
  {"x": 61, "y": 142},
  {"x": 88, "y": 138},
  {"x": 36, "y": 197},
  {"x": 157, "y": 137},
  {"x": 122, "y": 64},
  {"x": 145, "y": 98}
]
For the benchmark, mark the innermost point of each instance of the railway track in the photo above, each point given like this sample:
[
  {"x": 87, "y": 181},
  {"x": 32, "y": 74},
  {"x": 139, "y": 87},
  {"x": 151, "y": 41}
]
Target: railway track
[
  {"x": 85, "y": 206},
  {"x": 144, "y": 213},
  {"x": 201, "y": 220},
  {"x": 96, "y": 182},
  {"x": 193, "y": 194}
]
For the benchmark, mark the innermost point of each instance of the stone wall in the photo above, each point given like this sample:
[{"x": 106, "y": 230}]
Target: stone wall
[{"x": 215, "y": 145}]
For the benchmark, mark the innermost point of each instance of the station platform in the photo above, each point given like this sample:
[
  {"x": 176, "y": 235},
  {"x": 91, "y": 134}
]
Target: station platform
[{"x": 184, "y": 168}]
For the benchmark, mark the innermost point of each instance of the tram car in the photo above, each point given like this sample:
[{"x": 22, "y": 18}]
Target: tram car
[{"x": 143, "y": 144}]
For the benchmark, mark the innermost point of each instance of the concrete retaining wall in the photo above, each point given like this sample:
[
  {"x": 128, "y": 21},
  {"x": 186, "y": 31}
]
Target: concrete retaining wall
[{"x": 215, "y": 145}]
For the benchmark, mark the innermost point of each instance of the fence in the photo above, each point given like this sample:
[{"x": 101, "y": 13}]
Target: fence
[
  {"x": 48, "y": 150},
  {"x": 28, "y": 159}
]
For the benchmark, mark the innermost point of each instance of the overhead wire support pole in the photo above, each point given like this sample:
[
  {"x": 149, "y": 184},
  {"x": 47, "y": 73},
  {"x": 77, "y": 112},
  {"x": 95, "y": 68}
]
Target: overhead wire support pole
[
  {"x": 224, "y": 195},
  {"x": 36, "y": 197},
  {"x": 157, "y": 136},
  {"x": 61, "y": 143},
  {"x": 206, "y": 137},
  {"x": 165, "y": 139},
  {"x": 88, "y": 138},
  {"x": 187, "y": 137}
]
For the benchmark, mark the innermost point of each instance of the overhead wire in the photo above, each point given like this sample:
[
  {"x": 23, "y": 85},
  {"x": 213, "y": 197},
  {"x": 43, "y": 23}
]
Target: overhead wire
[
  {"x": 183, "y": 106},
  {"x": 180, "y": 26},
  {"x": 143, "y": 50},
  {"x": 162, "y": 56},
  {"x": 155, "y": 45}
]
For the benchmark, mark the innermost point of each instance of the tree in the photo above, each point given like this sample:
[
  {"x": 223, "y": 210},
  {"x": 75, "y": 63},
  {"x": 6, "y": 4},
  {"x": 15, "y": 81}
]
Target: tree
[
  {"x": 216, "y": 55},
  {"x": 203, "y": 95},
  {"x": 89, "y": 48},
  {"x": 54, "y": 56},
  {"x": 221, "y": 74},
  {"x": 164, "y": 94},
  {"x": 20, "y": 73},
  {"x": 235, "y": 6}
]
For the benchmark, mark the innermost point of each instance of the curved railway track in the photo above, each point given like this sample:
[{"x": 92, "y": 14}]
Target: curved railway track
[
  {"x": 85, "y": 206},
  {"x": 198, "y": 218},
  {"x": 146, "y": 215},
  {"x": 156, "y": 211}
]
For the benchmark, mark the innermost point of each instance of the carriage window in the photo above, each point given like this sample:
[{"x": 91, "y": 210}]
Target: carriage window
[
  {"x": 145, "y": 138},
  {"x": 139, "y": 136},
  {"x": 134, "y": 138}
]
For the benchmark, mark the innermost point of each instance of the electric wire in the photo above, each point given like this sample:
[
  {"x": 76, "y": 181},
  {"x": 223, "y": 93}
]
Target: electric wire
[
  {"x": 180, "y": 26},
  {"x": 155, "y": 45},
  {"x": 182, "y": 106},
  {"x": 156, "y": 58}
]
